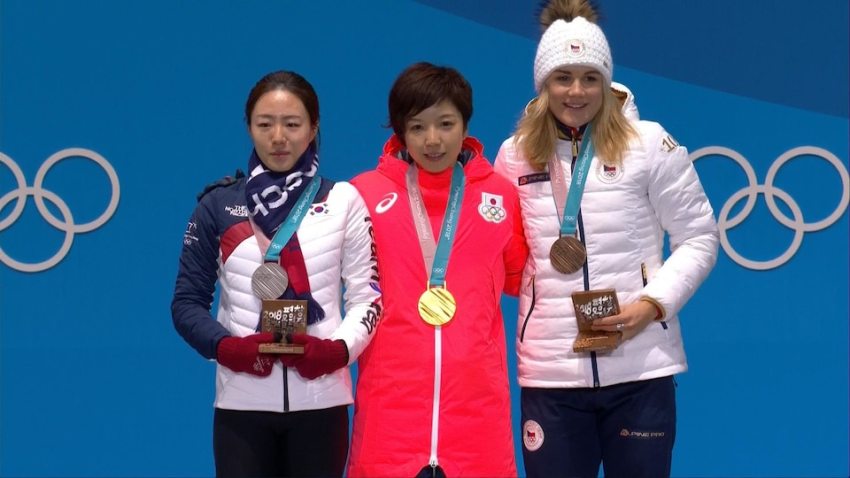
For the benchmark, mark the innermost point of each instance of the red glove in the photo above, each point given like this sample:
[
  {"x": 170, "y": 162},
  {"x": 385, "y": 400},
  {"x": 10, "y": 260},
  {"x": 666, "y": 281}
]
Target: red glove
[
  {"x": 242, "y": 354},
  {"x": 320, "y": 357}
]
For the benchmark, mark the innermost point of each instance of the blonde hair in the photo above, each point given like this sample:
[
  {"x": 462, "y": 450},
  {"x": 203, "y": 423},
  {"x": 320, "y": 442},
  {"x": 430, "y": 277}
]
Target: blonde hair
[{"x": 537, "y": 132}]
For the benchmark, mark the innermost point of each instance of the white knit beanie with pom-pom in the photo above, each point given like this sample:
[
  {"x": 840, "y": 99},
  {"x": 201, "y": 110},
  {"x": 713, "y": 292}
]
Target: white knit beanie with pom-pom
[{"x": 576, "y": 42}]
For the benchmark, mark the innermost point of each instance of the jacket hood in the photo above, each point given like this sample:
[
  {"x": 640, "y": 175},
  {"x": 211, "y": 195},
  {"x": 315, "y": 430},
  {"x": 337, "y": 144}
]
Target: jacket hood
[{"x": 627, "y": 99}]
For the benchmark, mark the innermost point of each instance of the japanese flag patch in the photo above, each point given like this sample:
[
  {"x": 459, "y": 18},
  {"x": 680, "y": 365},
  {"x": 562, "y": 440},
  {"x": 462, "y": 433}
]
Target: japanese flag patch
[{"x": 491, "y": 208}]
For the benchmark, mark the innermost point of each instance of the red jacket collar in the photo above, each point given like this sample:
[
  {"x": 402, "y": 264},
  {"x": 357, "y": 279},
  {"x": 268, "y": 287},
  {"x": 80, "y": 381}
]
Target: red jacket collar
[{"x": 395, "y": 168}]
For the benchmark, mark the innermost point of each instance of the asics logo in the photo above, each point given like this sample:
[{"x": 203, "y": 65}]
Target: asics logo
[
  {"x": 39, "y": 194},
  {"x": 796, "y": 223},
  {"x": 386, "y": 203}
]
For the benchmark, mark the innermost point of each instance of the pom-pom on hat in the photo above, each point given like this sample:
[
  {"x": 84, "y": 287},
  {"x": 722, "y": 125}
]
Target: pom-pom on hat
[{"x": 571, "y": 38}]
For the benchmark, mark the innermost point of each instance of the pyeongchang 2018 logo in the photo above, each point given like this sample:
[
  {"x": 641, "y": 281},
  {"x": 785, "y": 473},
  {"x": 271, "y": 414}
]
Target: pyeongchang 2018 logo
[
  {"x": 66, "y": 223},
  {"x": 771, "y": 192}
]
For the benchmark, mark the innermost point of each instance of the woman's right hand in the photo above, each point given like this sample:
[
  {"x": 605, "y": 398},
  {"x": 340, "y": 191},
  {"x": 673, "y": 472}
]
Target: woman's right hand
[{"x": 242, "y": 354}]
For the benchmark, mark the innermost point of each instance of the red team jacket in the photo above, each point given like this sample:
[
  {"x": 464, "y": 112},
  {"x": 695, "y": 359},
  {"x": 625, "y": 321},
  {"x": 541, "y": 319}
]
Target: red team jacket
[{"x": 395, "y": 396}]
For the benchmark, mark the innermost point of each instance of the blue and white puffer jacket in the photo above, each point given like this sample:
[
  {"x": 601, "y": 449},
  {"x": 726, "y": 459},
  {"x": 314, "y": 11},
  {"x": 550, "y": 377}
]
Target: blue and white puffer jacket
[
  {"x": 625, "y": 212},
  {"x": 219, "y": 245}
]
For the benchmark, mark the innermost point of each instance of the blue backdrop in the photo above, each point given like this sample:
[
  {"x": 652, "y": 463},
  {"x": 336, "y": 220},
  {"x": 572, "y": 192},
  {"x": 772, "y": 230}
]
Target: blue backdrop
[{"x": 114, "y": 114}]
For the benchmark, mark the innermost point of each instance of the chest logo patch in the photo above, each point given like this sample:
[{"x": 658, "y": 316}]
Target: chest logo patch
[
  {"x": 239, "y": 210},
  {"x": 386, "y": 203},
  {"x": 609, "y": 173},
  {"x": 319, "y": 209},
  {"x": 532, "y": 178},
  {"x": 491, "y": 208}
]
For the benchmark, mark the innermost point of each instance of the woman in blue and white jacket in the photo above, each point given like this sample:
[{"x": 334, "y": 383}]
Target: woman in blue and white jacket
[
  {"x": 285, "y": 417},
  {"x": 617, "y": 407}
]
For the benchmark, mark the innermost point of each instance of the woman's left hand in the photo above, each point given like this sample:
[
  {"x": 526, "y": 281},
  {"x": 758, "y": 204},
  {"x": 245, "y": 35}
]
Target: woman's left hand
[{"x": 630, "y": 321}]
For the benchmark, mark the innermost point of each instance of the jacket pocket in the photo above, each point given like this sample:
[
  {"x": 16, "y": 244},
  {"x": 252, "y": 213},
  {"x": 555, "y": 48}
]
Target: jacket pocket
[
  {"x": 530, "y": 308},
  {"x": 645, "y": 277}
]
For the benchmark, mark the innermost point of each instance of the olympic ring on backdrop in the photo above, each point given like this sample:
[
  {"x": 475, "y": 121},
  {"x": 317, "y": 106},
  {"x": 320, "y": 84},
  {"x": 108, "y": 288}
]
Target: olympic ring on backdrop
[
  {"x": 770, "y": 191},
  {"x": 66, "y": 224}
]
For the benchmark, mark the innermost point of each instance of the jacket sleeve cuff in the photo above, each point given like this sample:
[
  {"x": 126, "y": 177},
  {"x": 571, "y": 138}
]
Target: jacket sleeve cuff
[
  {"x": 660, "y": 312},
  {"x": 339, "y": 353}
]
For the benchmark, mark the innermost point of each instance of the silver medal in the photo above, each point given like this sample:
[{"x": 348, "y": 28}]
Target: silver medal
[{"x": 269, "y": 281}]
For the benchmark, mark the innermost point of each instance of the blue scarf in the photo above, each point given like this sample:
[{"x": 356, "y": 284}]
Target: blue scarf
[{"x": 270, "y": 196}]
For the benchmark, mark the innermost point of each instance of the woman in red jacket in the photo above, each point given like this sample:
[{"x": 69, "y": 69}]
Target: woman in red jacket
[{"x": 432, "y": 394}]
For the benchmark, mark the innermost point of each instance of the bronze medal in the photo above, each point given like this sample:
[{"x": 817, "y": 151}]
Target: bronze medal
[
  {"x": 269, "y": 281},
  {"x": 567, "y": 255},
  {"x": 437, "y": 306}
]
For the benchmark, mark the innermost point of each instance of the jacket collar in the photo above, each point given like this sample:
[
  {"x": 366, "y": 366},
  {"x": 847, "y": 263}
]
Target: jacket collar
[{"x": 394, "y": 167}]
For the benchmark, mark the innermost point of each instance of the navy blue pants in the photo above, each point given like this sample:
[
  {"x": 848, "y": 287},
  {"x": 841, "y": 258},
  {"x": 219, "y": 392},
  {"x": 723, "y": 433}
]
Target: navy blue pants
[
  {"x": 629, "y": 428},
  {"x": 310, "y": 443}
]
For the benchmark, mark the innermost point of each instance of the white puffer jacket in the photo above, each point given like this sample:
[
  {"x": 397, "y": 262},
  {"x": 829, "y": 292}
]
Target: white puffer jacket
[
  {"x": 624, "y": 214},
  {"x": 336, "y": 240}
]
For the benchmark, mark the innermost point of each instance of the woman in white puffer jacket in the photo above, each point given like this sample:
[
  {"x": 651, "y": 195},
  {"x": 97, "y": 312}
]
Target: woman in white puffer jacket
[{"x": 617, "y": 185}]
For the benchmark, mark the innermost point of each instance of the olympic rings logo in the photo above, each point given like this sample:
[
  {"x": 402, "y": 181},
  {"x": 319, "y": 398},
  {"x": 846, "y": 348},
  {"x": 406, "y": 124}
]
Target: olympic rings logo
[
  {"x": 771, "y": 192},
  {"x": 491, "y": 213},
  {"x": 39, "y": 194}
]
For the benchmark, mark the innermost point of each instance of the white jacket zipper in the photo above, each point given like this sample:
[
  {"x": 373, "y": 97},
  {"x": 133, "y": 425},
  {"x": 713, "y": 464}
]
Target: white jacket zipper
[{"x": 435, "y": 413}]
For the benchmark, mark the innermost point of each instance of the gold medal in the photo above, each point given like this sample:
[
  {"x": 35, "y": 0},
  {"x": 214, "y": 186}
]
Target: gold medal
[
  {"x": 567, "y": 255},
  {"x": 437, "y": 306}
]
